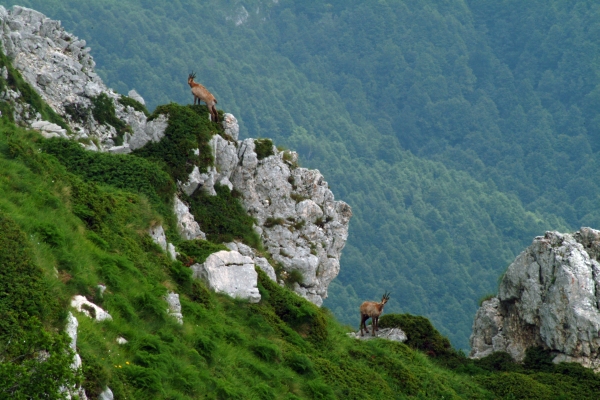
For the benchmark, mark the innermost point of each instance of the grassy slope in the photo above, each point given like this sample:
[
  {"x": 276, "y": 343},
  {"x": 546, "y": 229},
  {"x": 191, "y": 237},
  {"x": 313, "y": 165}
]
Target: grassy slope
[{"x": 82, "y": 234}]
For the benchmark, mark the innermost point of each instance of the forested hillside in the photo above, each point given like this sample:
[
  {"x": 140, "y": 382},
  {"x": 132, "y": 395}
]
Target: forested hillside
[{"x": 456, "y": 130}]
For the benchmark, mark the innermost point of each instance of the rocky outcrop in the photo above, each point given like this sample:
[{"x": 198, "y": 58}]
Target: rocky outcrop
[
  {"x": 393, "y": 334},
  {"x": 230, "y": 273},
  {"x": 59, "y": 67},
  {"x": 174, "y": 307},
  {"x": 186, "y": 224},
  {"x": 549, "y": 297},
  {"x": 300, "y": 223},
  {"x": 83, "y": 305}
]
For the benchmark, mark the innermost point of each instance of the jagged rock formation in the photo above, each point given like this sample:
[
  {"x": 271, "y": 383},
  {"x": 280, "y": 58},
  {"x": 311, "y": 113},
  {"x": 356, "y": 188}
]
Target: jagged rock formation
[
  {"x": 549, "y": 297},
  {"x": 59, "y": 67}
]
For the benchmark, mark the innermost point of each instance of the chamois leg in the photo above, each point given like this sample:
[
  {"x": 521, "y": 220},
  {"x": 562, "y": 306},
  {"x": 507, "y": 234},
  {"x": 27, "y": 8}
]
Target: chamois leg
[{"x": 363, "y": 322}]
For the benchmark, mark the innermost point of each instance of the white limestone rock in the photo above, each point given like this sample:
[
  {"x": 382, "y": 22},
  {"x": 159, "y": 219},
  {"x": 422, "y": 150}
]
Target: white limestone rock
[
  {"x": 231, "y": 126},
  {"x": 106, "y": 394},
  {"x": 186, "y": 224},
  {"x": 49, "y": 130},
  {"x": 197, "y": 180},
  {"x": 71, "y": 330},
  {"x": 310, "y": 228},
  {"x": 121, "y": 340},
  {"x": 136, "y": 96},
  {"x": 230, "y": 273},
  {"x": 548, "y": 297},
  {"x": 157, "y": 233},
  {"x": 83, "y": 305},
  {"x": 393, "y": 334},
  {"x": 174, "y": 308},
  {"x": 171, "y": 251},
  {"x": 145, "y": 131},
  {"x": 260, "y": 262}
]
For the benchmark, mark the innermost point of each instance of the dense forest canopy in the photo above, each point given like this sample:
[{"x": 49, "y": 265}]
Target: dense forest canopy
[{"x": 457, "y": 130}]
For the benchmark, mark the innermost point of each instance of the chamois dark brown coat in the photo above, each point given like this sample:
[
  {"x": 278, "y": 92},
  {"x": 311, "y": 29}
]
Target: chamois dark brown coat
[
  {"x": 202, "y": 94},
  {"x": 372, "y": 309}
]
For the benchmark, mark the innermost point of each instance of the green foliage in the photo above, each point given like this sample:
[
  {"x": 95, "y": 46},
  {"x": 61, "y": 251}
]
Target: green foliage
[
  {"x": 223, "y": 218},
  {"x": 198, "y": 250},
  {"x": 131, "y": 173},
  {"x": 136, "y": 105},
  {"x": 516, "y": 386},
  {"x": 25, "y": 300},
  {"x": 188, "y": 130},
  {"x": 421, "y": 335},
  {"x": 263, "y": 148},
  {"x": 103, "y": 110}
]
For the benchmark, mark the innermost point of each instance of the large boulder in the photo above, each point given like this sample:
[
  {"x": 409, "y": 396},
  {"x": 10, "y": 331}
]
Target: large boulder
[
  {"x": 548, "y": 297},
  {"x": 230, "y": 273}
]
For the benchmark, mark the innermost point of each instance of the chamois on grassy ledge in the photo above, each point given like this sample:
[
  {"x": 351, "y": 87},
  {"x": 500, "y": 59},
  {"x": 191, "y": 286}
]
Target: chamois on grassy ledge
[
  {"x": 202, "y": 94},
  {"x": 372, "y": 309}
]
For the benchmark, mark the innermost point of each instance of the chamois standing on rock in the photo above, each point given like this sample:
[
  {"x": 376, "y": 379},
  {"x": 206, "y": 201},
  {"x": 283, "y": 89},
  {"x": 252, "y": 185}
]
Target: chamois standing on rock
[
  {"x": 202, "y": 94},
  {"x": 372, "y": 309}
]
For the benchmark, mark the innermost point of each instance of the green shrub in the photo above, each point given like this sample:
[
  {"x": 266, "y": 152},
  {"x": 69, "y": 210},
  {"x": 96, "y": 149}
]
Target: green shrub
[
  {"x": 300, "y": 363},
  {"x": 319, "y": 390},
  {"x": 266, "y": 351},
  {"x": 511, "y": 385},
  {"x": 300, "y": 314},
  {"x": 263, "y": 148},
  {"x": 498, "y": 361},
  {"x": 103, "y": 110},
  {"x": 136, "y": 105},
  {"x": 223, "y": 218},
  {"x": 421, "y": 336},
  {"x": 538, "y": 359},
  {"x": 25, "y": 300},
  {"x": 188, "y": 129},
  {"x": 197, "y": 251},
  {"x": 127, "y": 172}
]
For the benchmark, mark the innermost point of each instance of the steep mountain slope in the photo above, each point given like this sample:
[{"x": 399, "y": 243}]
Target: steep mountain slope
[
  {"x": 76, "y": 222},
  {"x": 427, "y": 125}
]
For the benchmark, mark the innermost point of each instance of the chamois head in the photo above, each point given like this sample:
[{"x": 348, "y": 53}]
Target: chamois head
[
  {"x": 385, "y": 298},
  {"x": 191, "y": 78}
]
